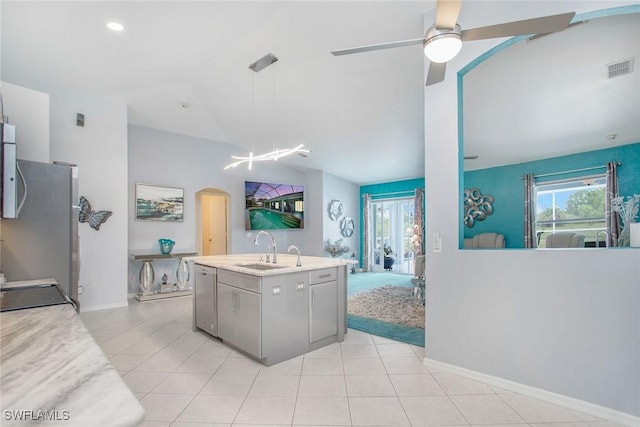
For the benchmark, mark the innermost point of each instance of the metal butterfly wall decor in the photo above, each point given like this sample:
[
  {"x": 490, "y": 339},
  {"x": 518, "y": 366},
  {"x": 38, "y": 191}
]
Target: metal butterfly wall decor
[{"x": 94, "y": 218}]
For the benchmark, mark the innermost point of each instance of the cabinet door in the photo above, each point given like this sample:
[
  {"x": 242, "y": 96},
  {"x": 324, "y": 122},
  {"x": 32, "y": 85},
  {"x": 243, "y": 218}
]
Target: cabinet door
[
  {"x": 323, "y": 318},
  {"x": 205, "y": 299},
  {"x": 226, "y": 313},
  {"x": 248, "y": 317},
  {"x": 285, "y": 316}
]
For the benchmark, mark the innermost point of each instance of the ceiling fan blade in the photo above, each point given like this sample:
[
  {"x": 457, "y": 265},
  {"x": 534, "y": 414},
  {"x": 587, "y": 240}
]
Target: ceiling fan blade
[
  {"x": 436, "y": 73},
  {"x": 545, "y": 24},
  {"x": 379, "y": 46},
  {"x": 447, "y": 12}
]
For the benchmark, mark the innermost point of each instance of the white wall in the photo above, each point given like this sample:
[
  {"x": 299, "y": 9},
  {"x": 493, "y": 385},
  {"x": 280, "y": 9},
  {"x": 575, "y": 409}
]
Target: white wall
[
  {"x": 163, "y": 158},
  {"x": 564, "y": 321},
  {"x": 335, "y": 188},
  {"x": 100, "y": 151},
  {"x": 314, "y": 213},
  {"x": 28, "y": 110}
]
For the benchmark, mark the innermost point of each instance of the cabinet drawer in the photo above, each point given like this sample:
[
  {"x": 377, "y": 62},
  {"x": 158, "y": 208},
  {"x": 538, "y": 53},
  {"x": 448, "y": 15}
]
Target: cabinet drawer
[
  {"x": 205, "y": 270},
  {"x": 239, "y": 280},
  {"x": 322, "y": 276}
]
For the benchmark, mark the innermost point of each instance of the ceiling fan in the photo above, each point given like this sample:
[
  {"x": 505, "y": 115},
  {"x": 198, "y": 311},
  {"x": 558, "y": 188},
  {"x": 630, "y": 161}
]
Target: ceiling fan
[{"x": 443, "y": 40}]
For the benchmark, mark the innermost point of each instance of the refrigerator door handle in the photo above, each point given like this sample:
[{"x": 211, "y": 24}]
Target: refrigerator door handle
[{"x": 24, "y": 183}]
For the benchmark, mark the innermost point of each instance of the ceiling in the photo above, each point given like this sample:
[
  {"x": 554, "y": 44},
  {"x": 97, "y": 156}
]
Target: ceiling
[
  {"x": 551, "y": 96},
  {"x": 362, "y": 116}
]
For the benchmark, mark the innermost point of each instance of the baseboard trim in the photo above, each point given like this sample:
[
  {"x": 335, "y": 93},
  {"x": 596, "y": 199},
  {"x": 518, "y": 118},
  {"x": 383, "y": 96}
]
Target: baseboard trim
[
  {"x": 569, "y": 402},
  {"x": 84, "y": 309}
]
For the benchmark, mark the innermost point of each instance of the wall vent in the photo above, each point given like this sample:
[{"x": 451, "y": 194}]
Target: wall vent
[{"x": 620, "y": 68}]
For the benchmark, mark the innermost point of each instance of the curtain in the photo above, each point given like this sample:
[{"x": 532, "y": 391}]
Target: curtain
[
  {"x": 612, "y": 220},
  {"x": 418, "y": 221},
  {"x": 530, "y": 240},
  {"x": 366, "y": 237}
]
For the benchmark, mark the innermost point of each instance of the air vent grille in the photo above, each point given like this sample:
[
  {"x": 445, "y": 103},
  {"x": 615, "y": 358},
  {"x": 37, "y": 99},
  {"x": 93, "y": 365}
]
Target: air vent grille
[{"x": 620, "y": 68}]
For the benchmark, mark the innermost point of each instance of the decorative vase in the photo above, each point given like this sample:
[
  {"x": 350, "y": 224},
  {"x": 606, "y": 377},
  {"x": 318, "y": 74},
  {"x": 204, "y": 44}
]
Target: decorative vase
[
  {"x": 182, "y": 274},
  {"x": 166, "y": 245},
  {"x": 624, "y": 239},
  {"x": 146, "y": 277}
]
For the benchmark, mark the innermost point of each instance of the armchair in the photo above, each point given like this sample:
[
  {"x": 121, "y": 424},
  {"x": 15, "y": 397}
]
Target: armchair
[
  {"x": 565, "y": 239},
  {"x": 487, "y": 241}
]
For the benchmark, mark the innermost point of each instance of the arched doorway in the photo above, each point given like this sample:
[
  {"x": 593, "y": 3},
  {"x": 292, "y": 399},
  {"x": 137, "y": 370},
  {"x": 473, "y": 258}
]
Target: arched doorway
[{"x": 212, "y": 234}]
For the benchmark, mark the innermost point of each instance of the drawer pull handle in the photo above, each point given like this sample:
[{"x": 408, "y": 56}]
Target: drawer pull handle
[{"x": 322, "y": 276}]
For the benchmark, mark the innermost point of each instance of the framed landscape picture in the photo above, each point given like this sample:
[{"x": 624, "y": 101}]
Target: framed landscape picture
[{"x": 157, "y": 203}]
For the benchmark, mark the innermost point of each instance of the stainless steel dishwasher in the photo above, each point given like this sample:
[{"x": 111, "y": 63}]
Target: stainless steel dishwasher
[{"x": 205, "y": 299}]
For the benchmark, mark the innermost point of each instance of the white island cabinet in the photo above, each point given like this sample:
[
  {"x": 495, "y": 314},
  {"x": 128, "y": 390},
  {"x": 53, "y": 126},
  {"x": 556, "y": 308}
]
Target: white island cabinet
[
  {"x": 323, "y": 304},
  {"x": 239, "y": 311},
  {"x": 273, "y": 312}
]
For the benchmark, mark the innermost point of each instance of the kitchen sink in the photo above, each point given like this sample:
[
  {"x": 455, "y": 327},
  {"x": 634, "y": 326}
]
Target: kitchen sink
[{"x": 261, "y": 266}]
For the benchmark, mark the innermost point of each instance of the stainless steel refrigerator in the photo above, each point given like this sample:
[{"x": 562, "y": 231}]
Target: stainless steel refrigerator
[{"x": 42, "y": 241}]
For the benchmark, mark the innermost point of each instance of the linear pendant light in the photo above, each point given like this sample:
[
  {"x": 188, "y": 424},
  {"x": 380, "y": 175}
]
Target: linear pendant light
[{"x": 278, "y": 153}]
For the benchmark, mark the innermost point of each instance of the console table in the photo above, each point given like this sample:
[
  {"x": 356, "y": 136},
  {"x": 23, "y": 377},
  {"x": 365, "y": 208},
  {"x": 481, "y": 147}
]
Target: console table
[{"x": 147, "y": 274}]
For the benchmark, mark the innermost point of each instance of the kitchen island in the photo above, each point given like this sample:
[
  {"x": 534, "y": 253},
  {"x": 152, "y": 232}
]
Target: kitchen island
[
  {"x": 271, "y": 312},
  {"x": 52, "y": 372}
]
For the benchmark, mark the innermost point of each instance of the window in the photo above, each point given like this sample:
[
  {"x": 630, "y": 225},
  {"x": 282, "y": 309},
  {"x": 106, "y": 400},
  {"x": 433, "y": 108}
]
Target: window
[{"x": 576, "y": 205}]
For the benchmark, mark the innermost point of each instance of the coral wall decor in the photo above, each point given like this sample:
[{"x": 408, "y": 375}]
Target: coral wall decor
[{"x": 477, "y": 206}]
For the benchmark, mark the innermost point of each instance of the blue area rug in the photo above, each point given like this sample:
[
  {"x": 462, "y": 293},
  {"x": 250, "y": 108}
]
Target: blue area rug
[
  {"x": 362, "y": 282},
  {"x": 392, "y": 331}
]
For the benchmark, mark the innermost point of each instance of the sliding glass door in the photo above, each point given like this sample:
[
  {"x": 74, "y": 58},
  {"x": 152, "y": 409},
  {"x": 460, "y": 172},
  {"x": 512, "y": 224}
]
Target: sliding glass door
[{"x": 392, "y": 230}]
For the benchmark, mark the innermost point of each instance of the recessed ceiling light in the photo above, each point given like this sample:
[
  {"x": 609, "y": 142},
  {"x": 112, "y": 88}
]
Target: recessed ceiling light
[{"x": 115, "y": 26}]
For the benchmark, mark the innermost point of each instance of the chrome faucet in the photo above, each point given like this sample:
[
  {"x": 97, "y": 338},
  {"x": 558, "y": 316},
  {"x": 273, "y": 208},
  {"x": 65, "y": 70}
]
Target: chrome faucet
[
  {"x": 273, "y": 244},
  {"x": 295, "y": 248},
  {"x": 606, "y": 240}
]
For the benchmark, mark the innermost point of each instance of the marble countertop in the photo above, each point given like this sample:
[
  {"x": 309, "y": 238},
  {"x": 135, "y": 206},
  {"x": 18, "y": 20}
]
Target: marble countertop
[
  {"x": 286, "y": 263},
  {"x": 51, "y": 368}
]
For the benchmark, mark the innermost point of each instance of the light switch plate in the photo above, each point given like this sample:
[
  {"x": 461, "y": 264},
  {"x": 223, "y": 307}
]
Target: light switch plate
[{"x": 437, "y": 243}]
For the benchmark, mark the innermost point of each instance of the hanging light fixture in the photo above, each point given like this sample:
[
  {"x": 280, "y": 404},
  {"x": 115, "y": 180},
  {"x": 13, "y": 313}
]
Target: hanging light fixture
[
  {"x": 277, "y": 153},
  {"x": 272, "y": 155}
]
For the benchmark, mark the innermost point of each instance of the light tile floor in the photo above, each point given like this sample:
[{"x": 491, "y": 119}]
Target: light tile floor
[{"x": 187, "y": 379}]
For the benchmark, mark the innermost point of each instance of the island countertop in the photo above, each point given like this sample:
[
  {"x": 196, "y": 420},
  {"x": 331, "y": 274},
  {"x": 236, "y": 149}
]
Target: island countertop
[
  {"x": 286, "y": 263},
  {"x": 52, "y": 369}
]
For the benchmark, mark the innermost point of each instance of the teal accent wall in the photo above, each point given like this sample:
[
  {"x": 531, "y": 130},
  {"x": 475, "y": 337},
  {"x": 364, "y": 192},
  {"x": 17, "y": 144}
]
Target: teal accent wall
[
  {"x": 505, "y": 184},
  {"x": 387, "y": 190},
  {"x": 392, "y": 190}
]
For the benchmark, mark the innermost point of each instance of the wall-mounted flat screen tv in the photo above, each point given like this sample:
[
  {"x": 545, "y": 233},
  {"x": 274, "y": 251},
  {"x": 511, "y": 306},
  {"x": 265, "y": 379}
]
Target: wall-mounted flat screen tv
[{"x": 271, "y": 206}]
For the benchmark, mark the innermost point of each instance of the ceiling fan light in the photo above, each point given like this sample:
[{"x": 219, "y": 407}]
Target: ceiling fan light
[
  {"x": 442, "y": 49},
  {"x": 442, "y": 44}
]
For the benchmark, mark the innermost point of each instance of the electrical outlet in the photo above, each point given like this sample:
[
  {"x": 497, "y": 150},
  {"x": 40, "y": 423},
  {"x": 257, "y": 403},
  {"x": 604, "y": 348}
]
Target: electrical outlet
[{"x": 80, "y": 289}]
